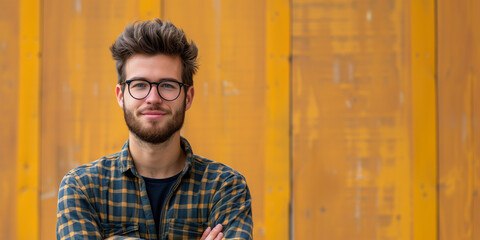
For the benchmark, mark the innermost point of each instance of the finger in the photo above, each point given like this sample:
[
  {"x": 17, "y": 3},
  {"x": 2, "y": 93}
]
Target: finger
[
  {"x": 219, "y": 236},
  {"x": 217, "y": 229},
  {"x": 214, "y": 233},
  {"x": 205, "y": 234}
]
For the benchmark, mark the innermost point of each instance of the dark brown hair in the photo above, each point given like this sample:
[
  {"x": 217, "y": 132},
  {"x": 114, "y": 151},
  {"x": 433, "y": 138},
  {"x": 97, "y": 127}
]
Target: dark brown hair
[{"x": 153, "y": 37}]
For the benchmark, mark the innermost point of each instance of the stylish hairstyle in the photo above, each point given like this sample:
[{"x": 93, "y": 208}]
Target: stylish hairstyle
[{"x": 155, "y": 37}]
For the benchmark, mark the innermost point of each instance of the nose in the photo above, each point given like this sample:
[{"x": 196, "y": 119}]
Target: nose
[{"x": 153, "y": 96}]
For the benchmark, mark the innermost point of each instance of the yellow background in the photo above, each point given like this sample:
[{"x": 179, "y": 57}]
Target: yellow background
[{"x": 350, "y": 119}]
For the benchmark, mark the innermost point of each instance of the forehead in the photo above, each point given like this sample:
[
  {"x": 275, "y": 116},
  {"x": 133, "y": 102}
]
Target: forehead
[{"x": 153, "y": 67}]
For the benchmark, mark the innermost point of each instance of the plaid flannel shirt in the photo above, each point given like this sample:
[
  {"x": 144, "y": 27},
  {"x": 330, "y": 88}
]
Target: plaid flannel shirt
[{"x": 108, "y": 198}]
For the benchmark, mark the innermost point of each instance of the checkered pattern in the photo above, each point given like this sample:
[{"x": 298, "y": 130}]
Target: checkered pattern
[{"x": 108, "y": 198}]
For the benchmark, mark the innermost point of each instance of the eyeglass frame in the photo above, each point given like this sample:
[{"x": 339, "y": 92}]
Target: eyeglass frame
[{"x": 180, "y": 84}]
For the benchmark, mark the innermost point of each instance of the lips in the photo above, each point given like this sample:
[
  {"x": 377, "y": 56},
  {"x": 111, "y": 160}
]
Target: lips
[{"x": 153, "y": 114}]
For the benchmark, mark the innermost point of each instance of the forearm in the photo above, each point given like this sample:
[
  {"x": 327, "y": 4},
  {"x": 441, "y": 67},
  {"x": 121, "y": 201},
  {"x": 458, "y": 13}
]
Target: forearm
[
  {"x": 76, "y": 217},
  {"x": 233, "y": 209},
  {"x": 122, "y": 238}
]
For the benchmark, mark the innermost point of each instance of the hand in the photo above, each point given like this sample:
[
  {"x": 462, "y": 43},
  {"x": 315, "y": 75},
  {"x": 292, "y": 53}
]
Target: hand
[{"x": 213, "y": 234}]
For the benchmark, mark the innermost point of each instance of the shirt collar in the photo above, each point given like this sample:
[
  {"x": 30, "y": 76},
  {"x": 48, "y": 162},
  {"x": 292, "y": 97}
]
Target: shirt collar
[
  {"x": 185, "y": 145},
  {"x": 126, "y": 160}
]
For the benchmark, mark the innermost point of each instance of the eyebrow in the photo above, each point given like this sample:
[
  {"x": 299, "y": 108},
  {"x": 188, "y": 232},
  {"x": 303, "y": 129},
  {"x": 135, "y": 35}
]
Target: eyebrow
[{"x": 161, "y": 79}]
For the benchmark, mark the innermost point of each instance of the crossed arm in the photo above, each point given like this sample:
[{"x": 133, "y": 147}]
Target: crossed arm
[{"x": 209, "y": 234}]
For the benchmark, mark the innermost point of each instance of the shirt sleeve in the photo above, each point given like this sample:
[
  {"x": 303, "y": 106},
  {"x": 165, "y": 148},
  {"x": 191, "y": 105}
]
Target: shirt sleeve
[
  {"x": 76, "y": 217},
  {"x": 233, "y": 208}
]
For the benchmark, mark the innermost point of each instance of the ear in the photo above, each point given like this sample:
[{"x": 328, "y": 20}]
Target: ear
[
  {"x": 119, "y": 94},
  {"x": 189, "y": 98}
]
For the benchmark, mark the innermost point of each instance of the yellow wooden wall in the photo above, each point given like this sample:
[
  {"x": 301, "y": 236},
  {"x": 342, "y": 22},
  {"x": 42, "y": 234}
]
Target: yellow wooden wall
[{"x": 343, "y": 115}]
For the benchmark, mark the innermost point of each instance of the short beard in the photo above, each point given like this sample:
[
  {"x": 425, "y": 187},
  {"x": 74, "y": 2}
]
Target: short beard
[{"x": 155, "y": 135}]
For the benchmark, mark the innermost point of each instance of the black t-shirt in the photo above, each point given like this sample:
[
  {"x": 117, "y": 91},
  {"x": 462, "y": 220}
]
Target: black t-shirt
[{"x": 157, "y": 191}]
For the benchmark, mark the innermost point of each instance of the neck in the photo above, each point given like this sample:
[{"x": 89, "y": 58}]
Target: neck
[{"x": 161, "y": 160}]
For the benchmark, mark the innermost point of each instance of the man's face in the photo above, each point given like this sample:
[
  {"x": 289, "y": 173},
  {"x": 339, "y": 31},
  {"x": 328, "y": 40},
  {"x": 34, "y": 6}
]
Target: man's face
[{"x": 154, "y": 119}]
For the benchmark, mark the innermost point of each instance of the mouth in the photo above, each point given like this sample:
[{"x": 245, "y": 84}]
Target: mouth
[{"x": 153, "y": 114}]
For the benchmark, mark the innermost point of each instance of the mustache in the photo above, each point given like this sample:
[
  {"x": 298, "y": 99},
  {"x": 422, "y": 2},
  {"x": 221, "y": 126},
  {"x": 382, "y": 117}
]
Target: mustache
[{"x": 154, "y": 108}]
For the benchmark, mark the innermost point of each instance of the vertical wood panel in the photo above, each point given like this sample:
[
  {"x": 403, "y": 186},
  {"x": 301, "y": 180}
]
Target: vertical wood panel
[
  {"x": 81, "y": 120},
  {"x": 352, "y": 155},
  {"x": 458, "y": 80},
  {"x": 227, "y": 120},
  {"x": 9, "y": 65},
  {"x": 278, "y": 138},
  {"x": 424, "y": 119},
  {"x": 475, "y": 25},
  {"x": 28, "y": 146}
]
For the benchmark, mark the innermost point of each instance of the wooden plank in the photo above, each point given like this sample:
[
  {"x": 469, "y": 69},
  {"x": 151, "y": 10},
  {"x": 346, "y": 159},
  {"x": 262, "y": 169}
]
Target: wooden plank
[
  {"x": 424, "y": 121},
  {"x": 227, "y": 122},
  {"x": 9, "y": 70},
  {"x": 59, "y": 151},
  {"x": 351, "y": 96},
  {"x": 278, "y": 138},
  {"x": 458, "y": 77},
  {"x": 28, "y": 121},
  {"x": 473, "y": 9}
]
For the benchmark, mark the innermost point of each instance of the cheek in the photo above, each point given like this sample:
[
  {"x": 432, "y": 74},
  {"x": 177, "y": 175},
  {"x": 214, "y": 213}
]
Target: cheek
[{"x": 130, "y": 104}]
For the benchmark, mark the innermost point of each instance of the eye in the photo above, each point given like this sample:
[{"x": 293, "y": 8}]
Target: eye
[
  {"x": 139, "y": 84},
  {"x": 168, "y": 85}
]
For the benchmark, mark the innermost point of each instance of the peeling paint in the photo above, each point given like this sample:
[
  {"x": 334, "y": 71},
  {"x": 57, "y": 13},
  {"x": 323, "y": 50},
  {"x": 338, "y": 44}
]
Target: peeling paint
[
  {"x": 359, "y": 173},
  {"x": 464, "y": 127},
  {"x": 369, "y": 15},
  {"x": 205, "y": 89},
  {"x": 78, "y": 6},
  {"x": 95, "y": 89},
  {"x": 228, "y": 89},
  {"x": 47, "y": 195},
  {"x": 312, "y": 114},
  {"x": 358, "y": 210},
  {"x": 348, "y": 104},
  {"x": 336, "y": 72},
  {"x": 351, "y": 71},
  {"x": 358, "y": 196}
]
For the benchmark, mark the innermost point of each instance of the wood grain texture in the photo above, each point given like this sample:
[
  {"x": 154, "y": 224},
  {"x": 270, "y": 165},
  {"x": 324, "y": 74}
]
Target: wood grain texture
[
  {"x": 475, "y": 8},
  {"x": 424, "y": 119},
  {"x": 9, "y": 65},
  {"x": 458, "y": 104},
  {"x": 352, "y": 110},
  {"x": 28, "y": 128},
  {"x": 278, "y": 135}
]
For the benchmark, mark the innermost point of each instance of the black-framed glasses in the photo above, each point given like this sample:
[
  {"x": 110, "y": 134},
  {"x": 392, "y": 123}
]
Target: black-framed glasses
[{"x": 168, "y": 90}]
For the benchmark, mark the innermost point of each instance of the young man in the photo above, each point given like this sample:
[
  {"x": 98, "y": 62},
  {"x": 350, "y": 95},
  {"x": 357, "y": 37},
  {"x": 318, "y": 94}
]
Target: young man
[{"x": 155, "y": 187}]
